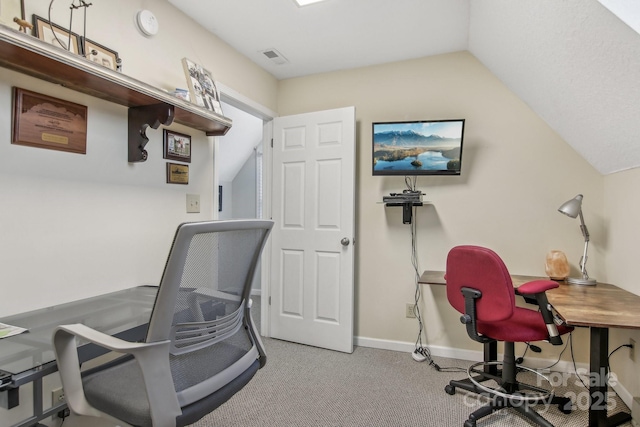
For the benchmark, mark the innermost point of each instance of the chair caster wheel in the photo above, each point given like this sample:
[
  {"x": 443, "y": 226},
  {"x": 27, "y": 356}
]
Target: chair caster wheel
[
  {"x": 470, "y": 423},
  {"x": 449, "y": 389}
]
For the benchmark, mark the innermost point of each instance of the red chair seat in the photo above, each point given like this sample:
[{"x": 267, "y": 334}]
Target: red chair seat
[{"x": 524, "y": 326}]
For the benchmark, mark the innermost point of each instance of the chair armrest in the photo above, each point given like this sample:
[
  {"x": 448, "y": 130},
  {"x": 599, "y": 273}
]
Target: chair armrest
[
  {"x": 469, "y": 317},
  {"x": 536, "y": 287},
  {"x": 152, "y": 358}
]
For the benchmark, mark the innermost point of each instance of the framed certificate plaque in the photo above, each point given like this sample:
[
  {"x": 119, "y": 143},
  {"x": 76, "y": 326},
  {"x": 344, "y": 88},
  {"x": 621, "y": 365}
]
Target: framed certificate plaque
[{"x": 46, "y": 122}]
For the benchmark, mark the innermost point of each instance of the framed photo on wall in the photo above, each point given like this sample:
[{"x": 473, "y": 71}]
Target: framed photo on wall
[
  {"x": 202, "y": 89},
  {"x": 56, "y": 35},
  {"x": 99, "y": 54},
  {"x": 177, "y": 146}
]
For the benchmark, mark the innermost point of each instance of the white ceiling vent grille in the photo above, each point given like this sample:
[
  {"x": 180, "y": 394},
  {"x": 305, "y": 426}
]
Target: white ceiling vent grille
[{"x": 274, "y": 56}]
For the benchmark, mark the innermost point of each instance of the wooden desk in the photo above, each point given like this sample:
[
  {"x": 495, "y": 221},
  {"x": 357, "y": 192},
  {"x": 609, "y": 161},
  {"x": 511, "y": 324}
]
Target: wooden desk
[
  {"x": 431, "y": 277},
  {"x": 598, "y": 308}
]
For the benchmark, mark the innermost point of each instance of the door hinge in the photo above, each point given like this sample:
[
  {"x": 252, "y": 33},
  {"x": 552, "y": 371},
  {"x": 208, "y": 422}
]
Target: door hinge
[
  {"x": 269, "y": 300},
  {"x": 271, "y": 142}
]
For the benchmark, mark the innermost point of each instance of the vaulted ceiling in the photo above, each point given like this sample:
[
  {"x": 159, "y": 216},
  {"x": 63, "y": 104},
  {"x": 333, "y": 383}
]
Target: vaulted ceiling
[{"x": 574, "y": 62}]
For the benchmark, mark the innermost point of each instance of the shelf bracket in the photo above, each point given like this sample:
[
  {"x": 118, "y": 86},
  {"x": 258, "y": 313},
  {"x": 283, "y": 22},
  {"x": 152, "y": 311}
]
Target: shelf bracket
[
  {"x": 407, "y": 209},
  {"x": 140, "y": 118}
]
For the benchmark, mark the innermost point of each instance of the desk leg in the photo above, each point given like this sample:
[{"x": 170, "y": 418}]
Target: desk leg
[{"x": 599, "y": 348}]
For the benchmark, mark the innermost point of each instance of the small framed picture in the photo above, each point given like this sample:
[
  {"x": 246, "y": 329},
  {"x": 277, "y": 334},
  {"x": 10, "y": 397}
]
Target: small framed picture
[
  {"x": 56, "y": 35},
  {"x": 202, "y": 89},
  {"x": 100, "y": 54},
  {"x": 177, "y": 146},
  {"x": 177, "y": 173}
]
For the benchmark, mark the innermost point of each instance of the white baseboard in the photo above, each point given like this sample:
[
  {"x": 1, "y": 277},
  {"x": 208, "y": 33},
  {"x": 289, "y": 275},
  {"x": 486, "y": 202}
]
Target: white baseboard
[
  {"x": 462, "y": 354},
  {"x": 408, "y": 347},
  {"x": 624, "y": 394}
]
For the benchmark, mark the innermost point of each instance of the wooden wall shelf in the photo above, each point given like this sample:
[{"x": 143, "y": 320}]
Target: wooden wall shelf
[{"x": 148, "y": 106}]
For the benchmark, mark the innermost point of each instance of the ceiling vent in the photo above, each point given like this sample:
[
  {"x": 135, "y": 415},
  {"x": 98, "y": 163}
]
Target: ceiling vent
[{"x": 274, "y": 56}]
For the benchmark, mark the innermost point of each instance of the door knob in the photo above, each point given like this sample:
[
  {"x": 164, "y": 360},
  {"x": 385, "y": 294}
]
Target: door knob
[{"x": 345, "y": 241}]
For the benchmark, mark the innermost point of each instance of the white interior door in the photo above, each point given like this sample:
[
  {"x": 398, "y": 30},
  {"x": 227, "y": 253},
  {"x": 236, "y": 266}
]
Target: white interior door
[{"x": 313, "y": 209}]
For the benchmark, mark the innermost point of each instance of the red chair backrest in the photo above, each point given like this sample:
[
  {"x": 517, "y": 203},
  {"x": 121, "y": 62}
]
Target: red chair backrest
[{"x": 482, "y": 269}]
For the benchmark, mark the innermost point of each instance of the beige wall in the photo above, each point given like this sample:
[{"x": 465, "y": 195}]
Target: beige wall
[
  {"x": 516, "y": 173},
  {"x": 96, "y": 223},
  {"x": 621, "y": 206}
]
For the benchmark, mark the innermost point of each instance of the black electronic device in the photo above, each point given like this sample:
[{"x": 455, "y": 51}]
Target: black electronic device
[
  {"x": 407, "y": 200},
  {"x": 426, "y": 147},
  {"x": 406, "y": 197}
]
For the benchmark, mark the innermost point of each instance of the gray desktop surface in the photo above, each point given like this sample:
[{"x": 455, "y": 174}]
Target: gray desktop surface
[{"x": 24, "y": 355}]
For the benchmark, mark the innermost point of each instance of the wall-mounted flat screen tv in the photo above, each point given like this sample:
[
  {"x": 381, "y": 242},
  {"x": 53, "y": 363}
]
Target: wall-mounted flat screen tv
[{"x": 426, "y": 147}]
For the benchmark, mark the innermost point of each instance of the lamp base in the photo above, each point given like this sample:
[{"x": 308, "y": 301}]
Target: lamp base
[{"x": 581, "y": 281}]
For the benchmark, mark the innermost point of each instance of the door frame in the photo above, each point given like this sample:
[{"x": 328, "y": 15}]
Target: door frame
[{"x": 249, "y": 106}]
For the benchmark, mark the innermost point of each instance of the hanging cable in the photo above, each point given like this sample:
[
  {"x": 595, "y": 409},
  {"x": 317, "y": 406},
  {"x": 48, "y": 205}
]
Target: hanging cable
[
  {"x": 421, "y": 351},
  {"x": 573, "y": 359}
]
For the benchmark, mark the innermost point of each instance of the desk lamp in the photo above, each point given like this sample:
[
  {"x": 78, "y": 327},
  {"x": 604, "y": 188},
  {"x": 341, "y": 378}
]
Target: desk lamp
[{"x": 573, "y": 209}]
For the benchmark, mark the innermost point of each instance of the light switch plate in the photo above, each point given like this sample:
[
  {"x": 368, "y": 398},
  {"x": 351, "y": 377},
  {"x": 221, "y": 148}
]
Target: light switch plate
[{"x": 193, "y": 203}]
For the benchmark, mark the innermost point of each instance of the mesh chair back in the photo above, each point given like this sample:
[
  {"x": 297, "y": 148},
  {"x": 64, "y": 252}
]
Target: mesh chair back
[
  {"x": 202, "y": 304},
  {"x": 482, "y": 269}
]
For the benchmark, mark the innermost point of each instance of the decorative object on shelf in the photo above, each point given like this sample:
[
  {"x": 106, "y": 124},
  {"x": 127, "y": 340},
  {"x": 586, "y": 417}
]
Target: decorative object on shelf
[
  {"x": 177, "y": 146},
  {"x": 100, "y": 54},
  {"x": 573, "y": 208},
  {"x": 46, "y": 122},
  {"x": 556, "y": 265},
  {"x": 81, "y": 5},
  {"x": 56, "y": 35},
  {"x": 12, "y": 11},
  {"x": 201, "y": 86},
  {"x": 23, "y": 24},
  {"x": 147, "y": 22},
  {"x": 177, "y": 173},
  {"x": 181, "y": 93}
]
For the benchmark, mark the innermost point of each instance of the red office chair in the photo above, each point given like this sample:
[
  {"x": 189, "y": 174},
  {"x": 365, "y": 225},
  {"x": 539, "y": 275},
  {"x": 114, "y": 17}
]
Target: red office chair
[{"x": 480, "y": 287}]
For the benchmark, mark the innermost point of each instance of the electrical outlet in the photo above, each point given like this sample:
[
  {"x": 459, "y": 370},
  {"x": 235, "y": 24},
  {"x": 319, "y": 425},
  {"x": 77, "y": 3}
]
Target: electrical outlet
[
  {"x": 632, "y": 350},
  {"x": 57, "y": 397},
  {"x": 409, "y": 311}
]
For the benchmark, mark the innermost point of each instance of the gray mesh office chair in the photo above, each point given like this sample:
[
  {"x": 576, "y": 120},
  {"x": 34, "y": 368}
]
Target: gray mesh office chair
[{"x": 201, "y": 346}]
